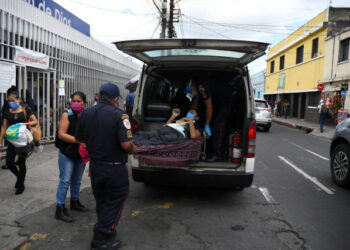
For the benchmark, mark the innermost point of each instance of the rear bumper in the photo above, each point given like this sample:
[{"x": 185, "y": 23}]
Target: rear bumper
[
  {"x": 187, "y": 178},
  {"x": 264, "y": 122}
]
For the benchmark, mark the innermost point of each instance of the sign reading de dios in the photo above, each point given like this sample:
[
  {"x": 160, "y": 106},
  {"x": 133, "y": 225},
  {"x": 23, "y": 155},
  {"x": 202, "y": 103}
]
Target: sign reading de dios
[{"x": 53, "y": 9}]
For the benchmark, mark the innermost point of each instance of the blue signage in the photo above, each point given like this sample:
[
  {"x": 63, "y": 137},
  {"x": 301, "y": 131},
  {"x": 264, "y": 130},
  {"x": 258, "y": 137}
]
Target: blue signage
[{"x": 61, "y": 14}]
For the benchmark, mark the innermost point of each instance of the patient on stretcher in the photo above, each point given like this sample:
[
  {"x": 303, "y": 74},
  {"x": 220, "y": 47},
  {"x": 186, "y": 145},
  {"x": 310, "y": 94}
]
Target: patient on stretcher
[{"x": 172, "y": 132}]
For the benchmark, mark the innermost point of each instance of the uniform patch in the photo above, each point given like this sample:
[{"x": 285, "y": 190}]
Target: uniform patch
[
  {"x": 129, "y": 134},
  {"x": 127, "y": 124},
  {"x": 202, "y": 91},
  {"x": 125, "y": 116}
]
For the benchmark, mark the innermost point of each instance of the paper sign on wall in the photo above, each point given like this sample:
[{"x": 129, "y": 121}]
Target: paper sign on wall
[
  {"x": 61, "y": 83},
  {"x": 61, "y": 92},
  {"x": 7, "y": 76},
  {"x": 31, "y": 58}
]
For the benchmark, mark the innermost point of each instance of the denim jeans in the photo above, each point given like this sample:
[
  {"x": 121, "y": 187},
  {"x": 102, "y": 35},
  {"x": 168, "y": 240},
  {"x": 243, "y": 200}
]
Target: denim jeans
[
  {"x": 322, "y": 118},
  {"x": 71, "y": 173}
]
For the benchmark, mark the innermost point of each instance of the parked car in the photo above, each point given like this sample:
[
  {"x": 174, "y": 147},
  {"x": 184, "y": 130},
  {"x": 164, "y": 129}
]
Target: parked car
[
  {"x": 166, "y": 62},
  {"x": 263, "y": 114},
  {"x": 340, "y": 154}
]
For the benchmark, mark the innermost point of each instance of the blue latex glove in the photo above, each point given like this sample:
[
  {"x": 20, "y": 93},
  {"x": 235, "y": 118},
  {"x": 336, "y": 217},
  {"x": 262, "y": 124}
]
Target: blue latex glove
[
  {"x": 207, "y": 130},
  {"x": 188, "y": 89}
]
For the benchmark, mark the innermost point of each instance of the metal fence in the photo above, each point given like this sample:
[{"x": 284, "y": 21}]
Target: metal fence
[{"x": 80, "y": 61}]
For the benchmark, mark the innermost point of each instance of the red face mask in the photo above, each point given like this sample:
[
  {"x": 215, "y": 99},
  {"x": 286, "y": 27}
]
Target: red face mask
[{"x": 77, "y": 107}]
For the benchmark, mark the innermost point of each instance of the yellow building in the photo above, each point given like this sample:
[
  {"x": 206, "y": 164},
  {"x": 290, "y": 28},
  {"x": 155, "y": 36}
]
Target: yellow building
[{"x": 295, "y": 65}]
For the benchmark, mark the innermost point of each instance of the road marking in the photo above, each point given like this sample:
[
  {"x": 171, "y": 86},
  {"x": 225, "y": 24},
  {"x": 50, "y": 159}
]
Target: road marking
[
  {"x": 312, "y": 179},
  {"x": 267, "y": 195},
  {"x": 307, "y": 150}
]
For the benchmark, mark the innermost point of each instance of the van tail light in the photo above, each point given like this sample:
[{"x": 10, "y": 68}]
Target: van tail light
[
  {"x": 236, "y": 147},
  {"x": 135, "y": 126},
  {"x": 251, "y": 140},
  {"x": 268, "y": 109}
]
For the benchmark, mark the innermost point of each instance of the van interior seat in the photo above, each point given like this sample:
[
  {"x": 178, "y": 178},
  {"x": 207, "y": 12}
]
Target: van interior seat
[{"x": 158, "y": 110}]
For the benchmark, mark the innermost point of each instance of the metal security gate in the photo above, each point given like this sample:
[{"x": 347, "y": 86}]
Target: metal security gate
[{"x": 42, "y": 88}]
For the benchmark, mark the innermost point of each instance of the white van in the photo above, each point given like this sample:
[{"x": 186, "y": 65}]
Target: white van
[{"x": 166, "y": 63}]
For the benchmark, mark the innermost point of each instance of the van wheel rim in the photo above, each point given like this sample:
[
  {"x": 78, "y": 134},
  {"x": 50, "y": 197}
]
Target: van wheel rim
[{"x": 341, "y": 165}]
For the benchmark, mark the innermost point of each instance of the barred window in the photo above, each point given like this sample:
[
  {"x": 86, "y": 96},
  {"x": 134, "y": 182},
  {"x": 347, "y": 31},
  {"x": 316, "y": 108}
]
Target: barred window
[{"x": 314, "y": 99}]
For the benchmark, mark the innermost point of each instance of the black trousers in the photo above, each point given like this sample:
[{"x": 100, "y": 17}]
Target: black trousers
[
  {"x": 110, "y": 186},
  {"x": 21, "y": 170},
  {"x": 223, "y": 116}
]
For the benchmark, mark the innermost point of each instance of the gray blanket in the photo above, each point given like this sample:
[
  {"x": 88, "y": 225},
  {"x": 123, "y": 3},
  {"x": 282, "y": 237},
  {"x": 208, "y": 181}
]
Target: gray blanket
[{"x": 164, "y": 136}]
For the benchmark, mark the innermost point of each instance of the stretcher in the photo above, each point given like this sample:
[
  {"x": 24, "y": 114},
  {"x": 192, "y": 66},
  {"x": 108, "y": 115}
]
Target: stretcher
[{"x": 179, "y": 154}]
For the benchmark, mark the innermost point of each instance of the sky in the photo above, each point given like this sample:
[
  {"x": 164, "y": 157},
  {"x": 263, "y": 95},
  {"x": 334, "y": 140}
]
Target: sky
[{"x": 267, "y": 21}]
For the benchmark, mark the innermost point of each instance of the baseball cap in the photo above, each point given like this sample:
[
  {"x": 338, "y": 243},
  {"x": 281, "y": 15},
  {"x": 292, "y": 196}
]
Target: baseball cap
[{"x": 109, "y": 90}]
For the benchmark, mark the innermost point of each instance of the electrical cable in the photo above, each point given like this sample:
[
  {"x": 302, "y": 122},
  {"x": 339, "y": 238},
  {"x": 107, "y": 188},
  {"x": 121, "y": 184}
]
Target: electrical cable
[
  {"x": 266, "y": 26},
  {"x": 207, "y": 28},
  {"x": 137, "y": 27},
  {"x": 258, "y": 29},
  {"x": 155, "y": 29},
  {"x": 181, "y": 23}
]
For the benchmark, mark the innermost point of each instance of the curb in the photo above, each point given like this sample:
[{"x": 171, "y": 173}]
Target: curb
[{"x": 293, "y": 125}]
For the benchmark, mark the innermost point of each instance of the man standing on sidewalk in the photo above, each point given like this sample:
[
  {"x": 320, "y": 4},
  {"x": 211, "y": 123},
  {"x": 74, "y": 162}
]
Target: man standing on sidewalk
[
  {"x": 105, "y": 129},
  {"x": 323, "y": 112}
]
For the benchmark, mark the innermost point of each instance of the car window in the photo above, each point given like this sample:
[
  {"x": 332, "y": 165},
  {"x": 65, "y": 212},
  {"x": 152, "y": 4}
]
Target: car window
[{"x": 261, "y": 104}]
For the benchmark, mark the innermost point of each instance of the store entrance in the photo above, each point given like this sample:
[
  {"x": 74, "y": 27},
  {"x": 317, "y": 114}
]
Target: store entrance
[{"x": 40, "y": 90}]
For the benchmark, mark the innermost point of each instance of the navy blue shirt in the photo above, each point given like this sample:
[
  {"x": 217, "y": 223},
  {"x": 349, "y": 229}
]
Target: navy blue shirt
[
  {"x": 129, "y": 101},
  {"x": 102, "y": 128}
]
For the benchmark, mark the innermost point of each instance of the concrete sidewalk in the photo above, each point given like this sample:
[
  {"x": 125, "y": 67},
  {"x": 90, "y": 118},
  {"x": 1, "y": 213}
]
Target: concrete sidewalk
[
  {"x": 41, "y": 185},
  {"x": 308, "y": 127}
]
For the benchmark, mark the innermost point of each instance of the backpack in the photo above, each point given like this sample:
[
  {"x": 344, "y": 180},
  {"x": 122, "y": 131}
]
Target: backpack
[{"x": 324, "y": 109}]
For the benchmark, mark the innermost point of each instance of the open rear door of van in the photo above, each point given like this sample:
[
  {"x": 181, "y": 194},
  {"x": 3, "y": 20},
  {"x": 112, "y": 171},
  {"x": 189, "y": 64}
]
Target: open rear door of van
[{"x": 172, "y": 51}]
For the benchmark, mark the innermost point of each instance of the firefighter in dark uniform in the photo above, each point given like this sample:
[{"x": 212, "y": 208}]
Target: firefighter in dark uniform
[
  {"x": 105, "y": 129},
  {"x": 223, "y": 92}
]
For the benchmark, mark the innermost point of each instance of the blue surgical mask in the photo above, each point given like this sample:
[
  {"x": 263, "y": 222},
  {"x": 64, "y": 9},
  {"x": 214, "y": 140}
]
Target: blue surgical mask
[
  {"x": 13, "y": 105},
  {"x": 190, "y": 115}
]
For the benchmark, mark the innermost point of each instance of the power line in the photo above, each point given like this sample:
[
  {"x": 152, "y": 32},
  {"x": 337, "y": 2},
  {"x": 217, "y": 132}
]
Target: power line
[
  {"x": 293, "y": 27},
  {"x": 207, "y": 28},
  {"x": 137, "y": 27},
  {"x": 252, "y": 28},
  {"x": 181, "y": 21},
  {"x": 155, "y": 29}
]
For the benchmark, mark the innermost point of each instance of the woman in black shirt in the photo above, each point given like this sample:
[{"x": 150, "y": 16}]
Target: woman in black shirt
[{"x": 16, "y": 114}]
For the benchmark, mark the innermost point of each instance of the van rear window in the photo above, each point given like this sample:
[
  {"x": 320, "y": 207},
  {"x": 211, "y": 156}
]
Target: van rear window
[{"x": 194, "y": 52}]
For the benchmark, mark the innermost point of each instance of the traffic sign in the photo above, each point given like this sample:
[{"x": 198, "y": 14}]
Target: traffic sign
[{"x": 320, "y": 87}]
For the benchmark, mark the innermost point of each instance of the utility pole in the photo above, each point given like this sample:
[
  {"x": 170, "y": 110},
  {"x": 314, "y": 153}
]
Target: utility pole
[
  {"x": 164, "y": 18},
  {"x": 171, "y": 20},
  {"x": 174, "y": 17}
]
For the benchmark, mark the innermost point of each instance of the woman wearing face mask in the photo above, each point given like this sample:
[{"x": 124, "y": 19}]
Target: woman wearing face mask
[
  {"x": 70, "y": 164},
  {"x": 16, "y": 114}
]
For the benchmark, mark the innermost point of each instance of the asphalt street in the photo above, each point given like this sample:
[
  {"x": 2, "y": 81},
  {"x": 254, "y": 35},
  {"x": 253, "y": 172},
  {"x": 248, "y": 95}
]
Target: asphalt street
[
  {"x": 293, "y": 204},
  {"x": 295, "y": 169}
]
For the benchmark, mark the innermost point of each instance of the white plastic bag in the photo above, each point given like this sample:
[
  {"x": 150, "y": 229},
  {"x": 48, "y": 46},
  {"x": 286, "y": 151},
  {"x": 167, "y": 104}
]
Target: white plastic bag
[{"x": 18, "y": 135}]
